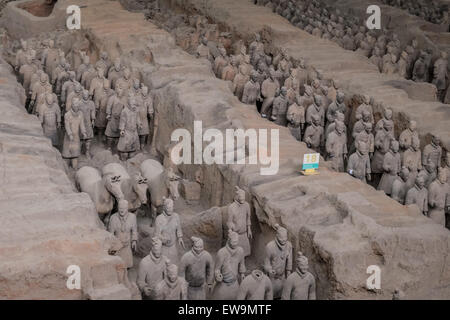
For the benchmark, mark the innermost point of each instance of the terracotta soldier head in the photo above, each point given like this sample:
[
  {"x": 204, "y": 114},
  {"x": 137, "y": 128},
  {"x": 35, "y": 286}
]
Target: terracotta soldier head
[
  {"x": 168, "y": 206},
  {"x": 197, "y": 245},
  {"x": 123, "y": 207},
  {"x": 302, "y": 263},
  {"x": 156, "y": 247},
  {"x": 281, "y": 237}
]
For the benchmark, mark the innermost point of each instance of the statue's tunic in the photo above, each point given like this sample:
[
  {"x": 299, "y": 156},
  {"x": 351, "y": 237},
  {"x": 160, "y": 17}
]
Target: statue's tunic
[
  {"x": 166, "y": 290},
  {"x": 125, "y": 229},
  {"x": 251, "y": 92},
  {"x": 145, "y": 112},
  {"x": 129, "y": 123},
  {"x": 101, "y": 102},
  {"x": 359, "y": 166},
  {"x": 278, "y": 259},
  {"x": 438, "y": 198},
  {"x": 230, "y": 263},
  {"x": 314, "y": 136},
  {"x": 198, "y": 270},
  {"x": 113, "y": 109},
  {"x": 315, "y": 110},
  {"x": 382, "y": 145},
  {"x": 87, "y": 107},
  {"x": 279, "y": 110},
  {"x": 238, "y": 221},
  {"x": 74, "y": 124},
  {"x": 151, "y": 272},
  {"x": 432, "y": 153},
  {"x": 299, "y": 287},
  {"x": 336, "y": 147},
  {"x": 419, "y": 197},
  {"x": 399, "y": 189},
  {"x": 50, "y": 116},
  {"x": 392, "y": 165},
  {"x": 168, "y": 229},
  {"x": 296, "y": 117},
  {"x": 256, "y": 286}
]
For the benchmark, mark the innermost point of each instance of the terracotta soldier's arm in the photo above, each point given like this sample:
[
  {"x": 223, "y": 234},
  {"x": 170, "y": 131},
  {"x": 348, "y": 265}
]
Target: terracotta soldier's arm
[
  {"x": 268, "y": 292},
  {"x": 184, "y": 290},
  {"x": 58, "y": 116},
  {"x": 287, "y": 290},
  {"x": 289, "y": 261},
  {"x": 183, "y": 266},
  {"x": 123, "y": 120},
  {"x": 425, "y": 205},
  {"x": 312, "y": 290},
  {"x": 67, "y": 125},
  {"x": 140, "y": 281},
  {"x": 82, "y": 126},
  {"x": 267, "y": 265},
  {"x": 243, "y": 291},
  {"x": 209, "y": 267},
  {"x": 218, "y": 267},
  {"x": 409, "y": 198},
  {"x": 134, "y": 232},
  {"x": 242, "y": 267},
  {"x": 249, "y": 221}
]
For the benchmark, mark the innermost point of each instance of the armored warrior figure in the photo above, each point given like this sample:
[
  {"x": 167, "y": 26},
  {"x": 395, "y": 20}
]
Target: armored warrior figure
[
  {"x": 76, "y": 93},
  {"x": 26, "y": 71},
  {"x": 336, "y": 106},
  {"x": 74, "y": 131},
  {"x": 145, "y": 112},
  {"x": 365, "y": 106},
  {"x": 400, "y": 186},
  {"x": 428, "y": 173},
  {"x": 278, "y": 260},
  {"x": 269, "y": 89},
  {"x": 168, "y": 229},
  {"x": 279, "y": 110},
  {"x": 251, "y": 90},
  {"x": 115, "y": 72},
  {"x": 439, "y": 197},
  {"x": 256, "y": 286},
  {"x": 408, "y": 135},
  {"x": 296, "y": 119},
  {"x": 432, "y": 152},
  {"x": 50, "y": 116},
  {"x": 116, "y": 103},
  {"x": 172, "y": 287},
  {"x": 38, "y": 93},
  {"x": 86, "y": 65},
  {"x": 239, "y": 220},
  {"x": 314, "y": 137},
  {"x": 101, "y": 99},
  {"x": 359, "y": 163},
  {"x": 391, "y": 165},
  {"x": 316, "y": 109},
  {"x": 197, "y": 268},
  {"x": 300, "y": 285},
  {"x": 336, "y": 147},
  {"x": 123, "y": 226},
  {"x": 229, "y": 269},
  {"x": 129, "y": 125},
  {"x": 68, "y": 87},
  {"x": 151, "y": 270},
  {"x": 382, "y": 144},
  {"x": 418, "y": 195},
  {"x": 239, "y": 82},
  {"x": 87, "y": 108}
]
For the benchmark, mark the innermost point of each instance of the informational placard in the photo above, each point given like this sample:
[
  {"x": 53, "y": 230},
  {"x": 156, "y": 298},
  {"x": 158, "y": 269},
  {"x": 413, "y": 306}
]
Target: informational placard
[{"x": 311, "y": 161}]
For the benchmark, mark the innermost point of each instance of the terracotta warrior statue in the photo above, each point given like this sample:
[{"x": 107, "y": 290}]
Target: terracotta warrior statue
[
  {"x": 255, "y": 286},
  {"x": 359, "y": 163},
  {"x": 168, "y": 229},
  {"x": 116, "y": 103},
  {"x": 279, "y": 109},
  {"x": 83, "y": 67},
  {"x": 124, "y": 227},
  {"x": 408, "y": 135},
  {"x": 392, "y": 164},
  {"x": 314, "y": 136},
  {"x": 433, "y": 152},
  {"x": 172, "y": 287},
  {"x": 74, "y": 132},
  {"x": 278, "y": 260},
  {"x": 146, "y": 113},
  {"x": 296, "y": 118},
  {"x": 336, "y": 147},
  {"x": 115, "y": 72},
  {"x": 87, "y": 108},
  {"x": 316, "y": 108},
  {"x": 335, "y": 107},
  {"x": 365, "y": 106},
  {"x": 412, "y": 159},
  {"x": 301, "y": 284},
  {"x": 383, "y": 140},
  {"x": 197, "y": 268},
  {"x": 76, "y": 93},
  {"x": 239, "y": 220},
  {"x": 439, "y": 197},
  {"x": 151, "y": 270},
  {"x": 269, "y": 89},
  {"x": 39, "y": 91},
  {"x": 252, "y": 90},
  {"x": 68, "y": 87},
  {"x": 229, "y": 269},
  {"x": 418, "y": 195},
  {"x": 129, "y": 125},
  {"x": 50, "y": 116},
  {"x": 400, "y": 186},
  {"x": 440, "y": 75}
]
